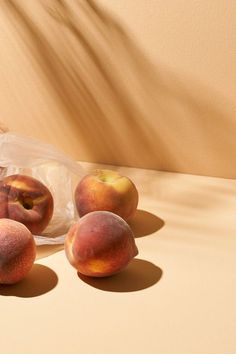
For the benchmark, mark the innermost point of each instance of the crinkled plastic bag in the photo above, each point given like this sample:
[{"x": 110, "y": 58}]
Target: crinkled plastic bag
[{"x": 60, "y": 173}]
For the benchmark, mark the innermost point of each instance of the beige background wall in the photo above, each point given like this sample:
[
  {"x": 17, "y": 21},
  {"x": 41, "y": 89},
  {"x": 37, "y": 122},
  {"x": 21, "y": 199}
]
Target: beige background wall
[{"x": 144, "y": 83}]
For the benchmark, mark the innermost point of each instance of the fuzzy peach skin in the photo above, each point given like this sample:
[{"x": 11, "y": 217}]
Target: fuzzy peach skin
[
  {"x": 100, "y": 244},
  {"x": 106, "y": 190},
  {"x": 27, "y": 200},
  {"x": 17, "y": 251}
]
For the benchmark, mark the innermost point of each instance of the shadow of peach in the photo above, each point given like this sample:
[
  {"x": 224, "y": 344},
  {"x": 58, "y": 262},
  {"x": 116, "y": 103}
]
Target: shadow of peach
[
  {"x": 40, "y": 280},
  {"x": 139, "y": 275},
  {"x": 144, "y": 223}
]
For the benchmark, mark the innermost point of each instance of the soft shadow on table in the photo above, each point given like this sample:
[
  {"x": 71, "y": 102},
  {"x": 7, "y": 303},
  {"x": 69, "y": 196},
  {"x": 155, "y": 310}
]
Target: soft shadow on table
[
  {"x": 47, "y": 250},
  {"x": 144, "y": 223},
  {"x": 139, "y": 275},
  {"x": 39, "y": 281}
]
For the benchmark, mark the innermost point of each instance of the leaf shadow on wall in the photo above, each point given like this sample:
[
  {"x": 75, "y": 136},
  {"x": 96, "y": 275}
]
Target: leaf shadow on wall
[{"x": 124, "y": 109}]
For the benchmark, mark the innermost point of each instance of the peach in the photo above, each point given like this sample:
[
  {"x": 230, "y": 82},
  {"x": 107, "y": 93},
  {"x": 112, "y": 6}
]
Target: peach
[
  {"x": 106, "y": 190},
  {"x": 17, "y": 251},
  {"x": 27, "y": 200},
  {"x": 100, "y": 244}
]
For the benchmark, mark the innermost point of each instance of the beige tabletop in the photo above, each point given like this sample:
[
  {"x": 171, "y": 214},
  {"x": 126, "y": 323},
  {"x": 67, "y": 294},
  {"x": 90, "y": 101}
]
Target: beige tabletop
[{"x": 176, "y": 297}]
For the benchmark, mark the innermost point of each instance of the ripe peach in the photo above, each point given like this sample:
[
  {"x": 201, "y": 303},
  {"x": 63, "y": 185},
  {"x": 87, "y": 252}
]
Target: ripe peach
[
  {"x": 106, "y": 190},
  {"x": 100, "y": 244},
  {"x": 27, "y": 200},
  {"x": 17, "y": 251}
]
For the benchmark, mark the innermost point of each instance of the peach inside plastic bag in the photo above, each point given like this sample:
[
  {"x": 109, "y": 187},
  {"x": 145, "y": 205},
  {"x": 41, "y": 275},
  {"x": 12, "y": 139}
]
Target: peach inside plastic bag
[{"x": 60, "y": 173}]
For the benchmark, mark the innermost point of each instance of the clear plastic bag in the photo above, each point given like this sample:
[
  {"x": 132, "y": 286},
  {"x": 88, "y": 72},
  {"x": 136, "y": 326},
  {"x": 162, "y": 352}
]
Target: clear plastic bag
[{"x": 60, "y": 173}]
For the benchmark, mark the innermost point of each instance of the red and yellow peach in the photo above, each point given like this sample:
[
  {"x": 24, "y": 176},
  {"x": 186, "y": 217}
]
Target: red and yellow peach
[
  {"x": 17, "y": 251},
  {"x": 106, "y": 190},
  {"x": 100, "y": 244},
  {"x": 27, "y": 200}
]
